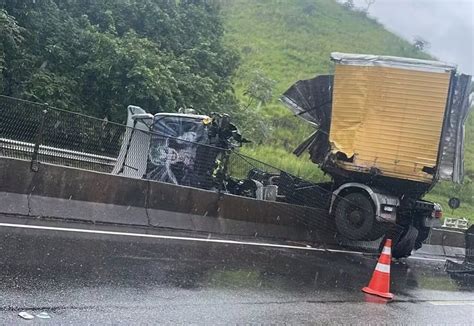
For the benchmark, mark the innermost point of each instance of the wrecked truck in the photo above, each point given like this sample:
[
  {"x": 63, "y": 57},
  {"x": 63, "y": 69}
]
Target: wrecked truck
[
  {"x": 185, "y": 149},
  {"x": 387, "y": 130}
]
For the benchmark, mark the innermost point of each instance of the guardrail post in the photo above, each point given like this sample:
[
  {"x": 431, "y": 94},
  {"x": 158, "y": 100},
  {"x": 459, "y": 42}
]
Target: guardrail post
[{"x": 38, "y": 141}]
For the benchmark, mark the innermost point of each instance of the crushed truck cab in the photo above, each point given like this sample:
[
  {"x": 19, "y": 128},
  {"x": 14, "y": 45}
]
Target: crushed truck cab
[{"x": 387, "y": 129}]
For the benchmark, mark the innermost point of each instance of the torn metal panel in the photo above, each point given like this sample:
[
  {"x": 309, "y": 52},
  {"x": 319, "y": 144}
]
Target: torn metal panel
[
  {"x": 451, "y": 164},
  {"x": 456, "y": 269},
  {"x": 369, "y": 60},
  {"x": 311, "y": 100}
]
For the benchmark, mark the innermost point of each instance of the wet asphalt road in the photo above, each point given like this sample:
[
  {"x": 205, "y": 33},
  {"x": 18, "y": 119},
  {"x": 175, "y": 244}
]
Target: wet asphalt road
[{"x": 88, "y": 278}]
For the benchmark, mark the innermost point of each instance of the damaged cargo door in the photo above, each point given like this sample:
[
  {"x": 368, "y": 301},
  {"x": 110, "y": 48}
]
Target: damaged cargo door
[{"x": 451, "y": 162}]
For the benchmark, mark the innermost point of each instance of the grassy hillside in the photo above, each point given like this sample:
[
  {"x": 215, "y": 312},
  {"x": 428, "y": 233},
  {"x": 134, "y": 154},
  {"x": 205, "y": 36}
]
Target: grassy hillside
[
  {"x": 291, "y": 40},
  {"x": 282, "y": 41}
]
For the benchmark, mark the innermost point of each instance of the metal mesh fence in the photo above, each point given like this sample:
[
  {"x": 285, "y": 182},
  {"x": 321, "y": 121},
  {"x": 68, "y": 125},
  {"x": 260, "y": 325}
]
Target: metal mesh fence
[
  {"x": 44, "y": 134},
  {"x": 190, "y": 157}
]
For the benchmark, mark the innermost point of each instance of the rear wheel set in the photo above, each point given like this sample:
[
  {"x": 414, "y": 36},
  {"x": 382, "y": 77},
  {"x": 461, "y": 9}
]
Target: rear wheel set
[{"x": 355, "y": 218}]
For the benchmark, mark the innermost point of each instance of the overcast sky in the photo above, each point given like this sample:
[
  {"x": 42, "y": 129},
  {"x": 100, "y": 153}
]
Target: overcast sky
[{"x": 447, "y": 24}]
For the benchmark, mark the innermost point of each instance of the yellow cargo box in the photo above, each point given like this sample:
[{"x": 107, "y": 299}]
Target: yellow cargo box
[{"x": 387, "y": 114}]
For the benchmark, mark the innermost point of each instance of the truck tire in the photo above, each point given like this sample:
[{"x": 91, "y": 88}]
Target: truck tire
[
  {"x": 354, "y": 216},
  {"x": 405, "y": 244}
]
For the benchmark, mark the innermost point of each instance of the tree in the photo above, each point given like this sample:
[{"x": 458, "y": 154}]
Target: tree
[
  {"x": 99, "y": 56},
  {"x": 10, "y": 40},
  {"x": 368, "y": 4},
  {"x": 260, "y": 89},
  {"x": 349, "y": 4},
  {"x": 420, "y": 43}
]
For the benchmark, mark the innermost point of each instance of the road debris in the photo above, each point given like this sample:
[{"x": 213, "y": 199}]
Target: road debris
[
  {"x": 43, "y": 315},
  {"x": 26, "y": 315}
]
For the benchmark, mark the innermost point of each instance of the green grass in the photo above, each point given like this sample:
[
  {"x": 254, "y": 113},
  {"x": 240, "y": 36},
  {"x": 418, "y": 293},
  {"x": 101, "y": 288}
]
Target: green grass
[
  {"x": 286, "y": 41},
  {"x": 279, "y": 158},
  {"x": 469, "y": 152},
  {"x": 465, "y": 210},
  {"x": 290, "y": 40}
]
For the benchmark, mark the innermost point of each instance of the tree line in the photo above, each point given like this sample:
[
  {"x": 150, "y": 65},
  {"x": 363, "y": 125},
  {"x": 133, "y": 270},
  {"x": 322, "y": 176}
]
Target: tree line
[{"x": 98, "y": 56}]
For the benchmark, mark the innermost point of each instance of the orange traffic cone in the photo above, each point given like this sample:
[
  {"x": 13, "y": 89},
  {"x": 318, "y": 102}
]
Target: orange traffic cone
[{"x": 380, "y": 282}]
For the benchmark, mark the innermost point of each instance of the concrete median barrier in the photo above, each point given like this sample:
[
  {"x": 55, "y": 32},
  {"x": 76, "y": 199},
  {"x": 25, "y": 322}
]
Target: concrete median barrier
[
  {"x": 59, "y": 192},
  {"x": 69, "y": 193}
]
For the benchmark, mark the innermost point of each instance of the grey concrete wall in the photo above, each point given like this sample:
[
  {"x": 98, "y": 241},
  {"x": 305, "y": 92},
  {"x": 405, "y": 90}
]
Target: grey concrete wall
[
  {"x": 447, "y": 237},
  {"x": 69, "y": 193}
]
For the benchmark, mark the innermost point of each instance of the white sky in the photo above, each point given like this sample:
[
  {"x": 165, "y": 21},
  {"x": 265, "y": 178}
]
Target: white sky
[{"x": 447, "y": 24}]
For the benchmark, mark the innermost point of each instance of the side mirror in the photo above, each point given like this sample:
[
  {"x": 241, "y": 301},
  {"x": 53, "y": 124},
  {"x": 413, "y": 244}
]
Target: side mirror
[{"x": 454, "y": 202}]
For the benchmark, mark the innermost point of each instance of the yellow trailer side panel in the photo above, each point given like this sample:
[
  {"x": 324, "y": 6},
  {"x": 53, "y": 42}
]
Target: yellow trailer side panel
[{"x": 388, "y": 118}]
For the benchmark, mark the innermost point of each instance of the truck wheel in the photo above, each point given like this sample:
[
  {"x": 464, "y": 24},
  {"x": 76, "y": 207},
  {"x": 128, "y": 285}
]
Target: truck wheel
[
  {"x": 354, "y": 216},
  {"x": 404, "y": 246}
]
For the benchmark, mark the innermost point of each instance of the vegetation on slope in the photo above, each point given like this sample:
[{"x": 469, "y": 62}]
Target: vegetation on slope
[
  {"x": 99, "y": 56},
  {"x": 282, "y": 41}
]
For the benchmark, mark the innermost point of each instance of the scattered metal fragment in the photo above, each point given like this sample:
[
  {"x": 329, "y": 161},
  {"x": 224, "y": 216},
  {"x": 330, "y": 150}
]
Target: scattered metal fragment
[
  {"x": 465, "y": 268},
  {"x": 26, "y": 315},
  {"x": 43, "y": 315}
]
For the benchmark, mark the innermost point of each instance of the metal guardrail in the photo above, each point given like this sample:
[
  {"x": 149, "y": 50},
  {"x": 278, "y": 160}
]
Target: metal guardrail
[
  {"x": 28, "y": 149},
  {"x": 456, "y": 223}
]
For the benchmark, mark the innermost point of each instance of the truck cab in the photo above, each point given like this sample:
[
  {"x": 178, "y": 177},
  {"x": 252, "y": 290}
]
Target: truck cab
[{"x": 182, "y": 148}]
